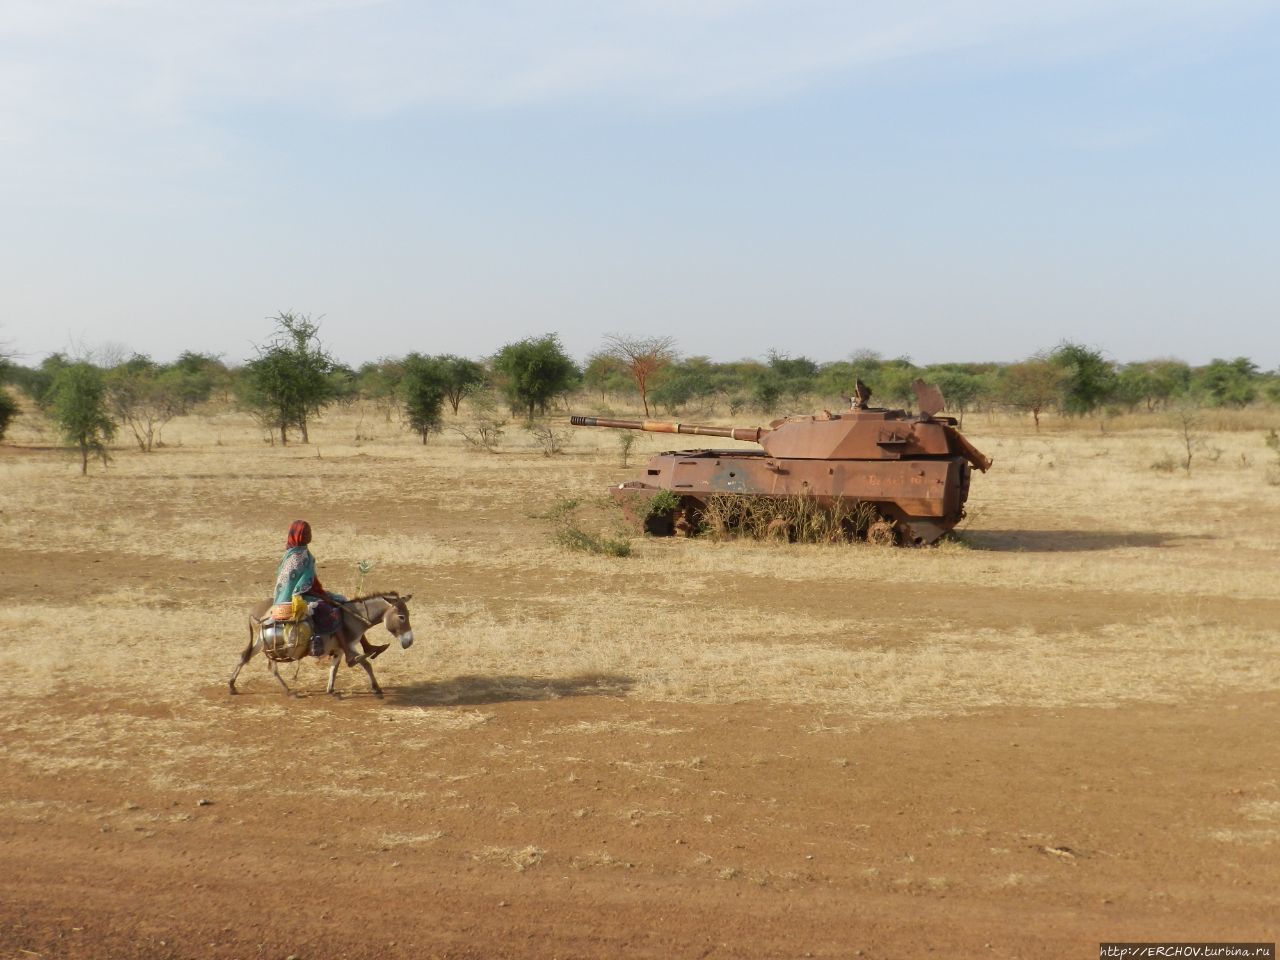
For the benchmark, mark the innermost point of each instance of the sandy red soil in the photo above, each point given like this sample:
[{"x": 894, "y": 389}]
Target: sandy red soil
[{"x": 1027, "y": 834}]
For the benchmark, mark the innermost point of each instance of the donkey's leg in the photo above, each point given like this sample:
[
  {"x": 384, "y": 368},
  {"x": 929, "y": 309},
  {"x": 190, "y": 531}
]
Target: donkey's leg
[
  {"x": 348, "y": 648},
  {"x": 373, "y": 681},
  {"x": 275, "y": 672},
  {"x": 253, "y": 647},
  {"x": 334, "y": 660}
]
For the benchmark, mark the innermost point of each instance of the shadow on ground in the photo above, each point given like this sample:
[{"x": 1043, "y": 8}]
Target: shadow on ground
[
  {"x": 1068, "y": 541},
  {"x": 472, "y": 690}
]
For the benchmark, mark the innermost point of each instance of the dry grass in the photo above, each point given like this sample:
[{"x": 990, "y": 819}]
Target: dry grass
[
  {"x": 138, "y": 575},
  {"x": 799, "y": 519},
  {"x": 519, "y": 860}
]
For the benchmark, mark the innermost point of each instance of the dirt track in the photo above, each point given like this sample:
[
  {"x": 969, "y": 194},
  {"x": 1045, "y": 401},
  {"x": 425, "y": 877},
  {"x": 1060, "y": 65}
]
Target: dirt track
[{"x": 685, "y": 832}]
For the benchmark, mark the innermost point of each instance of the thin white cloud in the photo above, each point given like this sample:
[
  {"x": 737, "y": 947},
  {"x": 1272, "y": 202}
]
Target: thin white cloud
[
  {"x": 90, "y": 89},
  {"x": 155, "y": 55}
]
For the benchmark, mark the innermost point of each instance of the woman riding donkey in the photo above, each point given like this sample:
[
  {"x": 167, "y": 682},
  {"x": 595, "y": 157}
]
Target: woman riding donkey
[{"x": 296, "y": 577}]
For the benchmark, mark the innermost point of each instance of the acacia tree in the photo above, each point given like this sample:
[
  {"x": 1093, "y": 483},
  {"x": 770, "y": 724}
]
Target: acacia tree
[
  {"x": 1032, "y": 385},
  {"x": 960, "y": 388},
  {"x": 135, "y": 400},
  {"x": 291, "y": 380},
  {"x": 794, "y": 376},
  {"x": 1271, "y": 387},
  {"x": 534, "y": 371},
  {"x": 8, "y": 406},
  {"x": 146, "y": 396},
  {"x": 460, "y": 377},
  {"x": 37, "y": 383},
  {"x": 892, "y": 381},
  {"x": 1152, "y": 383},
  {"x": 835, "y": 378},
  {"x": 1089, "y": 378},
  {"x": 202, "y": 374},
  {"x": 8, "y": 409},
  {"x": 641, "y": 358},
  {"x": 380, "y": 382},
  {"x": 422, "y": 391},
  {"x": 1228, "y": 383},
  {"x": 78, "y": 403},
  {"x": 603, "y": 372},
  {"x": 693, "y": 378}
]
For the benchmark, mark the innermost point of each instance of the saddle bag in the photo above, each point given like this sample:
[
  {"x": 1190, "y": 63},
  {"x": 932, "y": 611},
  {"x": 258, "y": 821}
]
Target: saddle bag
[{"x": 296, "y": 609}]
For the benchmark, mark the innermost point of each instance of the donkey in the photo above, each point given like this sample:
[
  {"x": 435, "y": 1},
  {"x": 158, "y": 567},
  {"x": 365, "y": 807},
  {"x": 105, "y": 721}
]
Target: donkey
[{"x": 358, "y": 617}]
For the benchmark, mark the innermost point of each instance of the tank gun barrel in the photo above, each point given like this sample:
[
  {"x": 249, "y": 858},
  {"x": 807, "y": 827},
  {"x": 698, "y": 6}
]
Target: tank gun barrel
[{"x": 751, "y": 434}]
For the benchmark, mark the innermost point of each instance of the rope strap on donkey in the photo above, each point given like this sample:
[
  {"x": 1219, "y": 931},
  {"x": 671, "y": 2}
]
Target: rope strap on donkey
[{"x": 347, "y": 605}]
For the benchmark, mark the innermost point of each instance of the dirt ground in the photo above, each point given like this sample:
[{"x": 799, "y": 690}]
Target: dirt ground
[{"x": 1059, "y": 730}]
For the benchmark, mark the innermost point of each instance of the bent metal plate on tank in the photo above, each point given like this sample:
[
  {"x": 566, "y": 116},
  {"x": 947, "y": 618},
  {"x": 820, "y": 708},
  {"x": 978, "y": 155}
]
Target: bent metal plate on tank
[{"x": 914, "y": 469}]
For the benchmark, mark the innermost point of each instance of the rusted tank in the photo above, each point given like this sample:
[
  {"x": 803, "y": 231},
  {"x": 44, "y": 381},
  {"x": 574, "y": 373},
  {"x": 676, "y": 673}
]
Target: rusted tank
[{"x": 913, "y": 469}]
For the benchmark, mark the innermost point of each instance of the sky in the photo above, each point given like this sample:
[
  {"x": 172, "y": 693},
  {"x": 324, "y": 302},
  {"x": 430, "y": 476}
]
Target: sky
[{"x": 951, "y": 181}]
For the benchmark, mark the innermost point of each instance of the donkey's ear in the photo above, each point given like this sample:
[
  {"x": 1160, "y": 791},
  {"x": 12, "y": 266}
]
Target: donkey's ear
[{"x": 407, "y": 597}]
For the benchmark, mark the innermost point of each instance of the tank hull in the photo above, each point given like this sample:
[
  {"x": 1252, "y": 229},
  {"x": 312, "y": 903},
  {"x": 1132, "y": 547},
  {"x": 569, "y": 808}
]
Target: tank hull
[{"x": 924, "y": 498}]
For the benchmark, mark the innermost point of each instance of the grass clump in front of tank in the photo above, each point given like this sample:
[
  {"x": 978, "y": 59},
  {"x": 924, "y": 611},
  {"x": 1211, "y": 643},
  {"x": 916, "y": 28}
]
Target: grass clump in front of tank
[
  {"x": 575, "y": 539},
  {"x": 798, "y": 519}
]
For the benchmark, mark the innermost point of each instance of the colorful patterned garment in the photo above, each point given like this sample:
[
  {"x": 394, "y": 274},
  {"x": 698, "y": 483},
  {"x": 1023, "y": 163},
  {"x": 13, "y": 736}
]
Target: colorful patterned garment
[{"x": 297, "y": 575}]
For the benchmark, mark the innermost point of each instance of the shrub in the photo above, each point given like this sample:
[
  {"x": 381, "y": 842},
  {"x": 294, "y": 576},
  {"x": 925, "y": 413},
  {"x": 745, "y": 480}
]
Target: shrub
[
  {"x": 486, "y": 432},
  {"x": 550, "y": 440},
  {"x": 1273, "y": 470},
  {"x": 569, "y": 535},
  {"x": 664, "y": 501},
  {"x": 575, "y": 539},
  {"x": 626, "y": 440},
  {"x": 8, "y": 410},
  {"x": 560, "y": 510}
]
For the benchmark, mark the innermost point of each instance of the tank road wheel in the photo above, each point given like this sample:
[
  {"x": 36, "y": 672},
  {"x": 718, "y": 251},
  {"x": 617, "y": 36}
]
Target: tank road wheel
[{"x": 882, "y": 533}]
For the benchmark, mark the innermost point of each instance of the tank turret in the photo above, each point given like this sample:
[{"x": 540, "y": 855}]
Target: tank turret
[{"x": 914, "y": 470}]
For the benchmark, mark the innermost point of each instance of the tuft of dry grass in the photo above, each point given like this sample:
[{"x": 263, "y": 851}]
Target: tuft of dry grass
[
  {"x": 519, "y": 860},
  {"x": 799, "y": 519},
  {"x": 389, "y": 840}
]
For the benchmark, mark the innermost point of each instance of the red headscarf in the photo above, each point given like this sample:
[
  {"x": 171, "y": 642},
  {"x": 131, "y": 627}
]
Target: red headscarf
[{"x": 299, "y": 534}]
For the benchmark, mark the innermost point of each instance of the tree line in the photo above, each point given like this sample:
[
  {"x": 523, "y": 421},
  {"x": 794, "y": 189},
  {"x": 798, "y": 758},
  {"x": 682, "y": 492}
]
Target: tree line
[{"x": 293, "y": 377}]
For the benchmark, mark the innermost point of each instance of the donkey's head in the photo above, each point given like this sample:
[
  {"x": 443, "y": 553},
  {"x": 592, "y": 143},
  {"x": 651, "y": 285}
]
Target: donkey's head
[{"x": 396, "y": 618}]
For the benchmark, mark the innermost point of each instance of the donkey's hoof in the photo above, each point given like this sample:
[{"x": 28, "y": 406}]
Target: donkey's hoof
[
  {"x": 231, "y": 689},
  {"x": 378, "y": 694}
]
